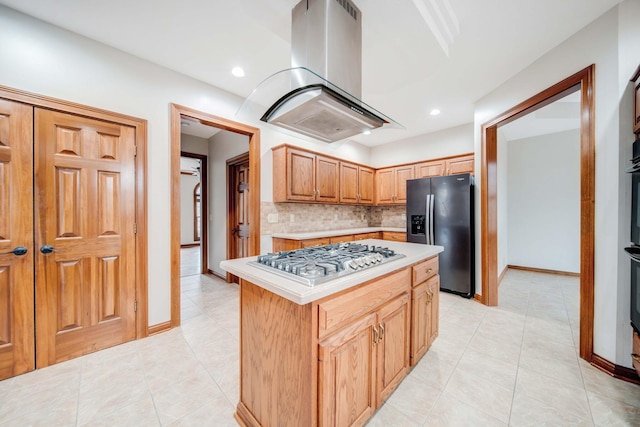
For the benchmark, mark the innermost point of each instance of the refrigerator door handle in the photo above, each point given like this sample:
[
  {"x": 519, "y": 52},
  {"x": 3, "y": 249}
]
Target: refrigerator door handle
[
  {"x": 427, "y": 220},
  {"x": 432, "y": 202}
]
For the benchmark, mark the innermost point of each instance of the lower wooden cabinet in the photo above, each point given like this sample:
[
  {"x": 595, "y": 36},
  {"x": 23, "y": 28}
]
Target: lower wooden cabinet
[
  {"x": 394, "y": 235},
  {"x": 361, "y": 365},
  {"x": 425, "y": 299}
]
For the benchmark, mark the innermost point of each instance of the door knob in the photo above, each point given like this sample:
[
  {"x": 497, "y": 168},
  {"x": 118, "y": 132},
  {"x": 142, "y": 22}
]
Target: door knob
[
  {"x": 18, "y": 251},
  {"x": 47, "y": 249}
]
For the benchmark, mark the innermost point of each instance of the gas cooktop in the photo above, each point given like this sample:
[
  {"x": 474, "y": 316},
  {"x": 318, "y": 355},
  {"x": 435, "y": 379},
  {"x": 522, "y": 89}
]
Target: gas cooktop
[{"x": 319, "y": 264}]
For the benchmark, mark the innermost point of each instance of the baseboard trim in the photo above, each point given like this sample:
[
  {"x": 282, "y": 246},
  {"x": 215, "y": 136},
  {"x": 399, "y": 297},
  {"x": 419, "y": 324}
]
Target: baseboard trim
[
  {"x": 218, "y": 275},
  {"x": 189, "y": 245},
  {"x": 504, "y": 271},
  {"x": 159, "y": 327},
  {"x": 616, "y": 371},
  {"x": 541, "y": 270},
  {"x": 479, "y": 298}
]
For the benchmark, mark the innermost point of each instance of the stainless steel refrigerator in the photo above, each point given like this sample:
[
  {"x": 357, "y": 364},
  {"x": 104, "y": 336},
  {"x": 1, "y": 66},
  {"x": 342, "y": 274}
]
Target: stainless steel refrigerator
[{"x": 440, "y": 212}]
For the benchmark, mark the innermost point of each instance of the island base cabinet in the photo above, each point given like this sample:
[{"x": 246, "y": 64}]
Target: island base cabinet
[
  {"x": 278, "y": 376},
  {"x": 347, "y": 363},
  {"x": 360, "y": 366},
  {"x": 424, "y": 306}
]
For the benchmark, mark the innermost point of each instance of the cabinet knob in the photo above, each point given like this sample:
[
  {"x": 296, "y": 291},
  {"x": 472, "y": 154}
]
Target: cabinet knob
[
  {"x": 376, "y": 335},
  {"x": 429, "y": 270},
  {"x": 381, "y": 332}
]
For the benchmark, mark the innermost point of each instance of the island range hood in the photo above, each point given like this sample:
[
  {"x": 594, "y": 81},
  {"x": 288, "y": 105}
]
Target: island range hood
[{"x": 319, "y": 96}]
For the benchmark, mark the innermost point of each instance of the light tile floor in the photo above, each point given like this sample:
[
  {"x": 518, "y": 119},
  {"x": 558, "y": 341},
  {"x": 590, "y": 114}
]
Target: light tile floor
[{"x": 512, "y": 365}]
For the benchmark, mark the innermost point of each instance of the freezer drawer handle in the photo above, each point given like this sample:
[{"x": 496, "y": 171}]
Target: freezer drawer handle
[
  {"x": 633, "y": 252},
  {"x": 18, "y": 251}
]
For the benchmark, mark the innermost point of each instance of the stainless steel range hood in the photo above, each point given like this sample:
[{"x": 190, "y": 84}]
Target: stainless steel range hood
[{"x": 319, "y": 95}]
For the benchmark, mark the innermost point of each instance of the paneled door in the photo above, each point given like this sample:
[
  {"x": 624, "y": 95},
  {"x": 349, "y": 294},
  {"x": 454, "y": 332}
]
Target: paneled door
[
  {"x": 85, "y": 235},
  {"x": 16, "y": 239}
]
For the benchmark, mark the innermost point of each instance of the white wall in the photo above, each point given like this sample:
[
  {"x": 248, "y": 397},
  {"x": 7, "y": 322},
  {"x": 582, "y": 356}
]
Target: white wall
[
  {"x": 223, "y": 145},
  {"x": 448, "y": 142},
  {"x": 187, "y": 184},
  {"x": 544, "y": 201},
  {"x": 194, "y": 144},
  {"x": 597, "y": 43}
]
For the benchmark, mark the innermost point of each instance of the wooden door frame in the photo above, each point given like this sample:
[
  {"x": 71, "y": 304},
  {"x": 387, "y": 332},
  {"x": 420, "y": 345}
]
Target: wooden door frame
[
  {"x": 140, "y": 131},
  {"x": 254, "y": 183},
  {"x": 204, "y": 208},
  {"x": 231, "y": 203},
  {"x": 584, "y": 80}
]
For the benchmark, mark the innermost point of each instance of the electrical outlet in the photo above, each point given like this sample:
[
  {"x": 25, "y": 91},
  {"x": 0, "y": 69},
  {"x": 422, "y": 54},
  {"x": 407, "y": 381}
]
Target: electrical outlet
[
  {"x": 292, "y": 218},
  {"x": 404, "y": 216},
  {"x": 335, "y": 217},
  {"x": 272, "y": 218}
]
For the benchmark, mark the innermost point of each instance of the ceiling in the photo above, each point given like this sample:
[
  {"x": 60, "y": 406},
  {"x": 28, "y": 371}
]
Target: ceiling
[{"x": 406, "y": 69}]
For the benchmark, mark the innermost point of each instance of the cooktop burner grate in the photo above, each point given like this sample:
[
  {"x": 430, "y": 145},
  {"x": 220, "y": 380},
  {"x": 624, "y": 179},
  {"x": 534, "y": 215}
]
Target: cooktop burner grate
[{"x": 319, "y": 264}]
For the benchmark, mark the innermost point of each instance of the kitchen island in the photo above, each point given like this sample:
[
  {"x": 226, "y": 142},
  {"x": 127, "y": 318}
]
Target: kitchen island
[{"x": 331, "y": 354}]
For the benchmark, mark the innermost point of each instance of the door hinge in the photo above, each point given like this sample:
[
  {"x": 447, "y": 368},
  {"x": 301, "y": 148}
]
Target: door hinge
[
  {"x": 135, "y": 228},
  {"x": 135, "y": 305}
]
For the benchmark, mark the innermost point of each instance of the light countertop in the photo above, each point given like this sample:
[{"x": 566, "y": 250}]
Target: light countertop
[
  {"x": 330, "y": 233},
  {"x": 303, "y": 294}
]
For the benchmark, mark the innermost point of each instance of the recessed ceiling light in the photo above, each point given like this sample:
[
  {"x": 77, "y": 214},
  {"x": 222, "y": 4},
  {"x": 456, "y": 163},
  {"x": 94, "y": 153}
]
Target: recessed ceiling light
[
  {"x": 435, "y": 112},
  {"x": 366, "y": 132},
  {"x": 185, "y": 124},
  {"x": 237, "y": 71}
]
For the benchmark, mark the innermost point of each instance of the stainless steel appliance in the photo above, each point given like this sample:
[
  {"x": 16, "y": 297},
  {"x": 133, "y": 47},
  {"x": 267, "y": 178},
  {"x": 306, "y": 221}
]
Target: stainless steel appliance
[
  {"x": 319, "y": 264},
  {"x": 633, "y": 250},
  {"x": 440, "y": 212}
]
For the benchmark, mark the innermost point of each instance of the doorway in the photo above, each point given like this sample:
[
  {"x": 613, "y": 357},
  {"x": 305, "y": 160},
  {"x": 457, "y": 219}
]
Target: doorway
[
  {"x": 194, "y": 209},
  {"x": 584, "y": 82},
  {"x": 177, "y": 114},
  {"x": 239, "y": 209}
]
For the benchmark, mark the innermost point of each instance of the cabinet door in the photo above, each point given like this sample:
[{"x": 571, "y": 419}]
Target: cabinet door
[
  {"x": 327, "y": 187},
  {"x": 301, "y": 184},
  {"x": 385, "y": 186},
  {"x": 365, "y": 186},
  {"x": 348, "y": 183},
  {"x": 429, "y": 169},
  {"x": 433, "y": 309},
  {"x": 462, "y": 164},
  {"x": 424, "y": 317},
  {"x": 393, "y": 346},
  {"x": 419, "y": 322},
  {"x": 347, "y": 372},
  {"x": 403, "y": 173}
]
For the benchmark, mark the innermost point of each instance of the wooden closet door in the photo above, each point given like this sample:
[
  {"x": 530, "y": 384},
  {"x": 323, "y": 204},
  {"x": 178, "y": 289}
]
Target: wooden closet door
[
  {"x": 85, "y": 197},
  {"x": 16, "y": 230}
]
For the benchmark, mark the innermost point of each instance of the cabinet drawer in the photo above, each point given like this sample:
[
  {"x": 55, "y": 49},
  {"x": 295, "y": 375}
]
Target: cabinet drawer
[
  {"x": 635, "y": 356},
  {"x": 395, "y": 236},
  {"x": 340, "y": 239},
  {"x": 425, "y": 270},
  {"x": 336, "y": 312},
  {"x": 363, "y": 236},
  {"x": 316, "y": 242}
]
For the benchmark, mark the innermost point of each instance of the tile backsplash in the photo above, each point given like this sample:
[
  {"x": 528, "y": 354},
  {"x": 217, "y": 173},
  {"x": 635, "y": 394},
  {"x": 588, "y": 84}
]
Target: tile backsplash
[{"x": 306, "y": 217}]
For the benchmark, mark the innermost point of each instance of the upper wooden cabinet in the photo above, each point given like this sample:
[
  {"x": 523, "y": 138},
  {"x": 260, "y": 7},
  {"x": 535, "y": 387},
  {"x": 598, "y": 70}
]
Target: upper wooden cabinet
[
  {"x": 301, "y": 176},
  {"x": 356, "y": 184},
  {"x": 636, "y": 96},
  {"x": 304, "y": 176},
  {"x": 449, "y": 166},
  {"x": 391, "y": 185}
]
